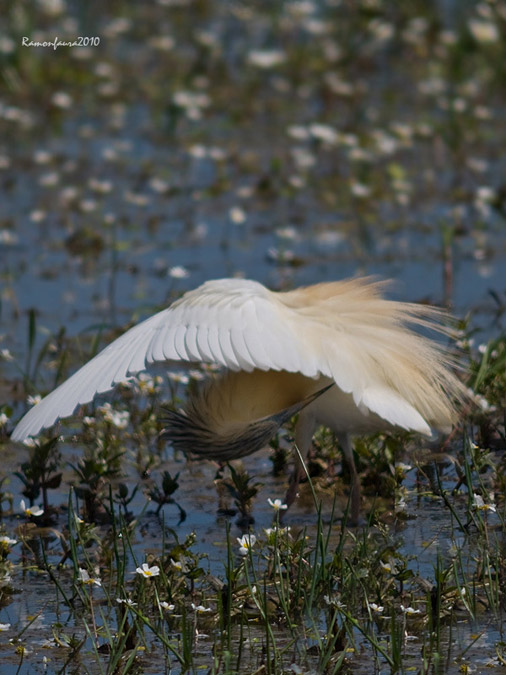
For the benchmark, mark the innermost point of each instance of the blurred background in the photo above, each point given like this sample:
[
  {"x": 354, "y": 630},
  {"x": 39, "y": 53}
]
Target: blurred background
[{"x": 289, "y": 142}]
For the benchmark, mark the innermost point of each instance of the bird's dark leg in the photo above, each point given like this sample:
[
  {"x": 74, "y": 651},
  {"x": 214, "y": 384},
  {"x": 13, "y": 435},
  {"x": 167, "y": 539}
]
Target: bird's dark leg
[{"x": 345, "y": 443}]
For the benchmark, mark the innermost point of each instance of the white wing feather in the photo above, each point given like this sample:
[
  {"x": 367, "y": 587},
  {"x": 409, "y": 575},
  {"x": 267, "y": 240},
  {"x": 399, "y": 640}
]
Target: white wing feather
[
  {"x": 240, "y": 325},
  {"x": 394, "y": 409},
  {"x": 201, "y": 326}
]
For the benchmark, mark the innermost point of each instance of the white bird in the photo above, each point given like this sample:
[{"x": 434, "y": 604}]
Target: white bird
[{"x": 281, "y": 353}]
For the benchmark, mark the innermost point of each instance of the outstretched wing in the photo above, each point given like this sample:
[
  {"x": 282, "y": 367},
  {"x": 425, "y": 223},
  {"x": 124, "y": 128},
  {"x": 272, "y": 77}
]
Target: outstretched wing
[
  {"x": 343, "y": 330},
  {"x": 237, "y": 324}
]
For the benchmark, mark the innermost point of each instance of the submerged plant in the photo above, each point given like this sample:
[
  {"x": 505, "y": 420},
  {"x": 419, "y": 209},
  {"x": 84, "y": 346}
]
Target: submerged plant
[
  {"x": 94, "y": 471},
  {"x": 243, "y": 491},
  {"x": 163, "y": 495},
  {"x": 39, "y": 473},
  {"x": 123, "y": 497}
]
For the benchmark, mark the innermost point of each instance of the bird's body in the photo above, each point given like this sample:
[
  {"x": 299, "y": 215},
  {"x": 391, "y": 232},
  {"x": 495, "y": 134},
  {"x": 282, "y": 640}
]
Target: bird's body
[
  {"x": 230, "y": 403},
  {"x": 279, "y": 351}
]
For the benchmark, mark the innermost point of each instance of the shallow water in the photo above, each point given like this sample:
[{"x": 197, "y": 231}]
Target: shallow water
[{"x": 169, "y": 147}]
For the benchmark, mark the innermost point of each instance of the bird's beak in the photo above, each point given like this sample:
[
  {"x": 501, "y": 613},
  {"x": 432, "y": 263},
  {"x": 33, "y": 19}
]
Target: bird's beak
[{"x": 287, "y": 413}]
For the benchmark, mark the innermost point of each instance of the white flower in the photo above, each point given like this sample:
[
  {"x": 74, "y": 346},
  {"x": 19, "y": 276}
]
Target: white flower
[
  {"x": 479, "y": 504},
  {"x": 52, "y": 7},
  {"x": 296, "y": 182},
  {"x": 9, "y": 239},
  {"x": 7, "y": 541},
  {"x": 246, "y": 543},
  {"x": 179, "y": 378},
  {"x": 237, "y": 215},
  {"x": 376, "y": 608},
  {"x": 483, "y": 31},
  {"x": 126, "y": 601},
  {"x": 332, "y": 600},
  {"x": 85, "y": 578},
  {"x": 178, "y": 565},
  {"x": 324, "y": 132},
  {"x": 88, "y": 205},
  {"x": 61, "y": 99},
  {"x": 148, "y": 571},
  {"x": 189, "y": 99},
  {"x": 68, "y": 194},
  {"x": 5, "y": 355},
  {"x": 388, "y": 566},
  {"x": 118, "y": 418},
  {"x": 7, "y": 46},
  {"x": 410, "y": 610},
  {"x": 4, "y": 626},
  {"x": 167, "y": 607},
  {"x": 277, "y": 504},
  {"x": 271, "y": 531},
  {"x": 286, "y": 233},
  {"x": 348, "y": 140},
  {"x": 159, "y": 185},
  {"x": 481, "y": 112},
  {"x": 385, "y": 143},
  {"x": 31, "y": 510},
  {"x": 401, "y": 505},
  {"x": 100, "y": 186},
  {"x": 200, "y": 609},
  {"x": 42, "y": 157},
  {"x": 485, "y": 194},
  {"x": 3, "y": 419},
  {"x": 148, "y": 384},
  {"x": 178, "y": 272},
  {"x": 266, "y": 58},
  {"x": 198, "y": 151},
  {"x": 192, "y": 103},
  {"x": 360, "y": 190},
  {"x": 382, "y": 31},
  {"x": 33, "y": 400}
]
